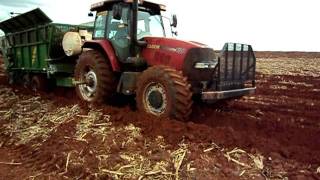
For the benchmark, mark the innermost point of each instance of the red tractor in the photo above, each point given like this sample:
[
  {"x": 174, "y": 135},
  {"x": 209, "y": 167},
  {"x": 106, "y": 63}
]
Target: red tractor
[{"x": 133, "y": 52}]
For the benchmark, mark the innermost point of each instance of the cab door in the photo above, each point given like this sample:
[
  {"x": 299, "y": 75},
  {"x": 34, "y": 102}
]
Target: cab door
[
  {"x": 100, "y": 25},
  {"x": 118, "y": 33}
]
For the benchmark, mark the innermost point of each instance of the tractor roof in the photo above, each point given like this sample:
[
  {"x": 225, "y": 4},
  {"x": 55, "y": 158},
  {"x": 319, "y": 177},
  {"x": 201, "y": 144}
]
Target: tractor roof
[{"x": 109, "y": 3}]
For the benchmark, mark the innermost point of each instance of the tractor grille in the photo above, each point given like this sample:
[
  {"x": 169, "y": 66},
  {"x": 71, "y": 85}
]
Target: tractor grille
[
  {"x": 198, "y": 55},
  {"x": 197, "y": 76},
  {"x": 237, "y": 65}
]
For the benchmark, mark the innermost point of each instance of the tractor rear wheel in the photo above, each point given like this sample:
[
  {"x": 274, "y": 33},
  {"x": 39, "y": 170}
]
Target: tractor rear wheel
[
  {"x": 96, "y": 79},
  {"x": 164, "y": 92}
]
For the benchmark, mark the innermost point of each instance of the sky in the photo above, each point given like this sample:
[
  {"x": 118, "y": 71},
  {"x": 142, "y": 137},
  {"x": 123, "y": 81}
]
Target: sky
[{"x": 273, "y": 25}]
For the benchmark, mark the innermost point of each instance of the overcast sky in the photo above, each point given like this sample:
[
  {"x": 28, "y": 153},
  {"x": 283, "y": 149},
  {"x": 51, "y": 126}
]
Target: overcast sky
[{"x": 286, "y": 25}]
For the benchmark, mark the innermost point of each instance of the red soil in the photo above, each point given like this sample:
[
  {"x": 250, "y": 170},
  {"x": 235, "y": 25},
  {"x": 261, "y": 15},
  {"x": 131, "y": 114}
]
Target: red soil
[{"x": 281, "y": 121}]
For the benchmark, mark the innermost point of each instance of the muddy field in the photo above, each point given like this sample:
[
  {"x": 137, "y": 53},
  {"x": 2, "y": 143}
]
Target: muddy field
[{"x": 274, "y": 134}]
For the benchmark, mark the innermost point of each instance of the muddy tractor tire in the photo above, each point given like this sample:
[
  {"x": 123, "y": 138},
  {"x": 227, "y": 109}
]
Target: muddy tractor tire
[
  {"x": 96, "y": 80},
  {"x": 164, "y": 92},
  {"x": 39, "y": 83}
]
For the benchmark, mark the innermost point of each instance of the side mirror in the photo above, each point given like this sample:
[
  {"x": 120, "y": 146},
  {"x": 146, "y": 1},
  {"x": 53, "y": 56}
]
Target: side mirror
[
  {"x": 175, "y": 33},
  {"x": 117, "y": 12},
  {"x": 90, "y": 14},
  {"x": 174, "y": 21}
]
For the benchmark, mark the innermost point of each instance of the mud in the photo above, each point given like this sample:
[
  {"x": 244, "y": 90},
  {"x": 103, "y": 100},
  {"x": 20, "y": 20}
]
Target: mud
[{"x": 273, "y": 134}]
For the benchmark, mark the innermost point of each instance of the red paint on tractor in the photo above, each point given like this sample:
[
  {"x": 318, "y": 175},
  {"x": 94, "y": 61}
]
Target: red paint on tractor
[
  {"x": 167, "y": 51},
  {"x": 107, "y": 48}
]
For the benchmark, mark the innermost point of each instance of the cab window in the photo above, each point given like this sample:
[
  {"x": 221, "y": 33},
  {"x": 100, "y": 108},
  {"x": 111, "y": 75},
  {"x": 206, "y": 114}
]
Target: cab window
[
  {"x": 149, "y": 24},
  {"x": 118, "y": 34},
  {"x": 118, "y": 28},
  {"x": 100, "y": 24}
]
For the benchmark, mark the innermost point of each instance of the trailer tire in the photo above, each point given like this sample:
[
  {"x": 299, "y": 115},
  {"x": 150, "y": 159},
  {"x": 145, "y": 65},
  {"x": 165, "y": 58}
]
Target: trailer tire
[
  {"x": 39, "y": 83},
  {"x": 11, "y": 78},
  {"x": 165, "y": 93},
  {"x": 98, "y": 81},
  {"x": 26, "y": 82}
]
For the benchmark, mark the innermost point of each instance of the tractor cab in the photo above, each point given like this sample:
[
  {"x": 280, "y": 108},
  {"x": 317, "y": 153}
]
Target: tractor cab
[{"x": 125, "y": 24}]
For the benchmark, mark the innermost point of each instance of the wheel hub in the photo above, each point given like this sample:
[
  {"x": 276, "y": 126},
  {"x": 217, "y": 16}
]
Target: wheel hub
[
  {"x": 91, "y": 81},
  {"x": 155, "y": 99},
  {"x": 89, "y": 88}
]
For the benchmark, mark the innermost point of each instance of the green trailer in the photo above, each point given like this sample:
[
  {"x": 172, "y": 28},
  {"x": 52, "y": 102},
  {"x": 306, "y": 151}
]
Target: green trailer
[{"x": 33, "y": 51}]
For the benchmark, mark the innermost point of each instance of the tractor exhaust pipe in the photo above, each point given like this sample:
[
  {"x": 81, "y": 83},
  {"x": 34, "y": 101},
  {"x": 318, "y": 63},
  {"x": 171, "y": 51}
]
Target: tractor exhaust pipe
[
  {"x": 134, "y": 41},
  {"x": 135, "y": 8}
]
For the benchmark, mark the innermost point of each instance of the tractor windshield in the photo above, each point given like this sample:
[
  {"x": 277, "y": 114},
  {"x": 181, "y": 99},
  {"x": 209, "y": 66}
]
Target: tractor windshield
[{"x": 151, "y": 25}]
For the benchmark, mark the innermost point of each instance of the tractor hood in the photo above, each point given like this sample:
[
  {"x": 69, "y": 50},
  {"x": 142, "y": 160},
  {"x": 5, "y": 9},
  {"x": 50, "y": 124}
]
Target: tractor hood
[{"x": 175, "y": 53}]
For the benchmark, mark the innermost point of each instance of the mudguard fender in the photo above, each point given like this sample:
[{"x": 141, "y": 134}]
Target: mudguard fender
[{"x": 105, "y": 47}]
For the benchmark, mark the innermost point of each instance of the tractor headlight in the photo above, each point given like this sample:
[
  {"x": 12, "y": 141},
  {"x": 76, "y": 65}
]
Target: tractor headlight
[{"x": 206, "y": 65}]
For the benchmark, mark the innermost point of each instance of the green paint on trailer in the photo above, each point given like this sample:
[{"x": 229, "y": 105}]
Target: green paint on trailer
[
  {"x": 34, "y": 45},
  {"x": 61, "y": 68},
  {"x": 65, "y": 81}
]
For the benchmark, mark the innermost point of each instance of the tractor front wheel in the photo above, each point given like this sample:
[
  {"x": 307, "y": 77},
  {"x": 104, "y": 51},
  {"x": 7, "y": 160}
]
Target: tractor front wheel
[
  {"x": 164, "y": 92},
  {"x": 96, "y": 80}
]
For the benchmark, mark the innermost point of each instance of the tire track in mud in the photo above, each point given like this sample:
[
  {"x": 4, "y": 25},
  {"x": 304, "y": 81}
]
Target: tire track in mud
[
  {"x": 36, "y": 159},
  {"x": 280, "y": 122},
  {"x": 283, "y": 122},
  {"x": 49, "y": 157}
]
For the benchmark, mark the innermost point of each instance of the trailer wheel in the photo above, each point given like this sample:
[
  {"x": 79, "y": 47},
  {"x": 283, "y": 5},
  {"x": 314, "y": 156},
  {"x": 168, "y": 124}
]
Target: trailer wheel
[
  {"x": 164, "y": 92},
  {"x": 14, "y": 77},
  {"x": 26, "y": 81},
  {"x": 96, "y": 80},
  {"x": 39, "y": 83}
]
